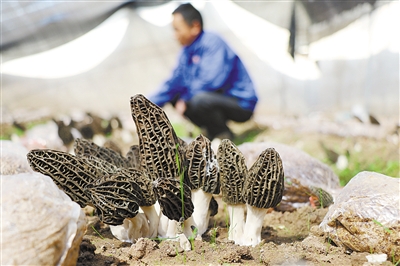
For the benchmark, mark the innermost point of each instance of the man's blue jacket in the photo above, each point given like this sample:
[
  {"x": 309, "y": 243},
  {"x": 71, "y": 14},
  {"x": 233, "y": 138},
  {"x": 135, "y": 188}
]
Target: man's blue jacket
[{"x": 208, "y": 64}]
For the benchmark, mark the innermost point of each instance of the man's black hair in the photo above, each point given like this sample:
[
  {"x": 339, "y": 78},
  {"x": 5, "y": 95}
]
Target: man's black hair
[{"x": 189, "y": 14}]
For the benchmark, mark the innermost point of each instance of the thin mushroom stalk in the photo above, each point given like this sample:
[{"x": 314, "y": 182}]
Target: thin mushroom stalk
[
  {"x": 152, "y": 216},
  {"x": 253, "y": 226},
  {"x": 163, "y": 226},
  {"x": 131, "y": 228},
  {"x": 236, "y": 222},
  {"x": 263, "y": 189}
]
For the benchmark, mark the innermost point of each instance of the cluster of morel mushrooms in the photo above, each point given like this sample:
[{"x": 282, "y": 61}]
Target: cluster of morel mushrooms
[{"x": 170, "y": 181}]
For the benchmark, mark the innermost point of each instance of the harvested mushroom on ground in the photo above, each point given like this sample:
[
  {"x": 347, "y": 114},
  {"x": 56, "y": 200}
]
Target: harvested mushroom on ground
[
  {"x": 263, "y": 189},
  {"x": 320, "y": 198},
  {"x": 203, "y": 173},
  {"x": 233, "y": 172}
]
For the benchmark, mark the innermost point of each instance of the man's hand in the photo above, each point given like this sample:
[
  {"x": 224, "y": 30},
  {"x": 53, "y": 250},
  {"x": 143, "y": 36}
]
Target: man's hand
[{"x": 180, "y": 107}]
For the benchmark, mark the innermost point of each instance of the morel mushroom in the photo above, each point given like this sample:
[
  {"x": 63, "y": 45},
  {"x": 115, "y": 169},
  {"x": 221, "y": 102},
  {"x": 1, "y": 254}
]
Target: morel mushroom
[
  {"x": 263, "y": 189},
  {"x": 233, "y": 172},
  {"x": 87, "y": 148},
  {"x": 173, "y": 203},
  {"x": 70, "y": 173},
  {"x": 158, "y": 144},
  {"x": 115, "y": 197},
  {"x": 319, "y": 198},
  {"x": 203, "y": 173},
  {"x": 133, "y": 156},
  {"x": 161, "y": 152},
  {"x": 141, "y": 183}
]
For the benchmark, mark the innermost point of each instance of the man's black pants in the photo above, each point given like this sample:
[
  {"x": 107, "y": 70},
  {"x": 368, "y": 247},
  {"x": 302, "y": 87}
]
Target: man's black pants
[{"x": 211, "y": 110}]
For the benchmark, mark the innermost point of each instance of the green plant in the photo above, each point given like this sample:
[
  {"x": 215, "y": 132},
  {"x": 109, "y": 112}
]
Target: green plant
[
  {"x": 226, "y": 218},
  {"x": 182, "y": 257},
  {"x": 192, "y": 237},
  {"x": 329, "y": 244},
  {"x": 213, "y": 234},
  {"x": 384, "y": 228},
  {"x": 97, "y": 232},
  {"x": 395, "y": 263},
  {"x": 183, "y": 130},
  {"x": 356, "y": 165},
  {"x": 181, "y": 178}
]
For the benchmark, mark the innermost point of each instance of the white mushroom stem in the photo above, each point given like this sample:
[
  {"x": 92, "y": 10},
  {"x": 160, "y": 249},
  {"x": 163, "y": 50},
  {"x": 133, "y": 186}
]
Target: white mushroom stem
[
  {"x": 201, "y": 215},
  {"x": 252, "y": 230},
  {"x": 171, "y": 230},
  {"x": 187, "y": 227},
  {"x": 131, "y": 229},
  {"x": 163, "y": 225},
  {"x": 236, "y": 222},
  {"x": 152, "y": 217}
]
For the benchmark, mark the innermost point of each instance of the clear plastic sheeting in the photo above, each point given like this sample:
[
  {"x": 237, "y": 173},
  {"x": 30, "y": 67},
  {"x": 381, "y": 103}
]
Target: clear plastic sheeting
[
  {"x": 13, "y": 158},
  {"x": 366, "y": 215}
]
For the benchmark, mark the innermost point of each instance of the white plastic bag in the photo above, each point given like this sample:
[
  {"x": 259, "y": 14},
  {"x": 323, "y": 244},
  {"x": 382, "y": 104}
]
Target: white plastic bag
[{"x": 366, "y": 215}]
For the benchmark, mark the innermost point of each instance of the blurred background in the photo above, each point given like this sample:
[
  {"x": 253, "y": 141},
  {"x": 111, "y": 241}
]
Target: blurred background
[
  {"x": 326, "y": 72},
  {"x": 304, "y": 56}
]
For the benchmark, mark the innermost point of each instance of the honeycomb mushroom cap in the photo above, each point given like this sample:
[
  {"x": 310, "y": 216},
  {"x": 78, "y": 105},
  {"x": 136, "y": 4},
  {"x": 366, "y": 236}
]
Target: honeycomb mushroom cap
[
  {"x": 133, "y": 156},
  {"x": 158, "y": 144},
  {"x": 70, "y": 173},
  {"x": 103, "y": 166},
  {"x": 265, "y": 181},
  {"x": 233, "y": 172},
  {"x": 202, "y": 165},
  {"x": 324, "y": 199},
  {"x": 142, "y": 180},
  {"x": 115, "y": 198},
  {"x": 169, "y": 196},
  {"x": 87, "y": 148},
  {"x": 183, "y": 144}
]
